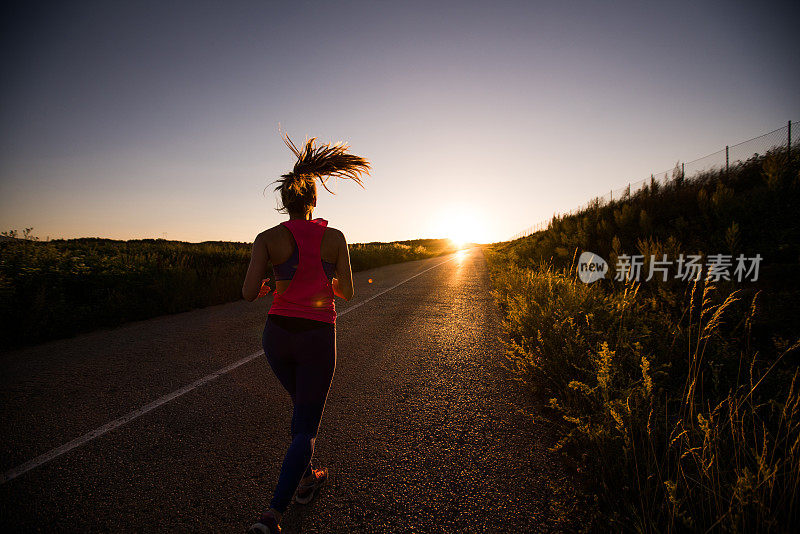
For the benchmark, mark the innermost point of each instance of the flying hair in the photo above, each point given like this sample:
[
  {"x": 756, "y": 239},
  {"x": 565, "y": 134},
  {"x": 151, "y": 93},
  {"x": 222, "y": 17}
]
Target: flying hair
[{"x": 322, "y": 161}]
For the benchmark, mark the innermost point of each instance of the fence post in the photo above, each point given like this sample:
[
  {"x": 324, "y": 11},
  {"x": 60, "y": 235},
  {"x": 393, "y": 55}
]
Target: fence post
[
  {"x": 726, "y": 160},
  {"x": 789, "y": 140},
  {"x": 683, "y": 172}
]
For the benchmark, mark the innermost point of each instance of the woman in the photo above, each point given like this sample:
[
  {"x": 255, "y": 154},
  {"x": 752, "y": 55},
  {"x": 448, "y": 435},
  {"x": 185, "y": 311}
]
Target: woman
[{"x": 311, "y": 265}]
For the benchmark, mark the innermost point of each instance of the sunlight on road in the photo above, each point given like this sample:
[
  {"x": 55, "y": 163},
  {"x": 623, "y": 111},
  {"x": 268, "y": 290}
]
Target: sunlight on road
[{"x": 460, "y": 260}]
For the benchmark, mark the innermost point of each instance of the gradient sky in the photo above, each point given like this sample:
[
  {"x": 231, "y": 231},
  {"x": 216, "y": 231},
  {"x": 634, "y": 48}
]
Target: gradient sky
[{"x": 152, "y": 119}]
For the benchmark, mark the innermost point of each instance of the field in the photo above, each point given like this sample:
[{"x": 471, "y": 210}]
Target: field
[
  {"x": 58, "y": 288},
  {"x": 677, "y": 402}
]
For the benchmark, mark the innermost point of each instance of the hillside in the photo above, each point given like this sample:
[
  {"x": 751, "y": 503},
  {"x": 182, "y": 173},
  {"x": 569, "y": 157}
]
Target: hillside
[
  {"x": 677, "y": 400},
  {"x": 752, "y": 209}
]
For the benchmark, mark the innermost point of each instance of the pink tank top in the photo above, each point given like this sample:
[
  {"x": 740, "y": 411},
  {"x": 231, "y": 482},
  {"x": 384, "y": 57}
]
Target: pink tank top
[{"x": 310, "y": 294}]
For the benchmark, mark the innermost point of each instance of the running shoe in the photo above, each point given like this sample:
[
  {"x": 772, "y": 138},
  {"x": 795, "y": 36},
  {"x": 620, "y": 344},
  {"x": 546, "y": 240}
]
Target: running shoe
[
  {"x": 307, "y": 490},
  {"x": 267, "y": 524}
]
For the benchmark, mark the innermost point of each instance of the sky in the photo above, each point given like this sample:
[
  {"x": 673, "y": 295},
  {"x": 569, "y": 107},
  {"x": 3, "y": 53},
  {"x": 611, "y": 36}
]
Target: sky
[{"x": 131, "y": 120}]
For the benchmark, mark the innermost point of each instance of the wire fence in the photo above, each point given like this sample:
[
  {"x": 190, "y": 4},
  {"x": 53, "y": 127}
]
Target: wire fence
[{"x": 720, "y": 160}]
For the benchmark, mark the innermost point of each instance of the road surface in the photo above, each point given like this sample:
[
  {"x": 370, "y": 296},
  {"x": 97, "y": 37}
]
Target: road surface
[{"x": 421, "y": 432}]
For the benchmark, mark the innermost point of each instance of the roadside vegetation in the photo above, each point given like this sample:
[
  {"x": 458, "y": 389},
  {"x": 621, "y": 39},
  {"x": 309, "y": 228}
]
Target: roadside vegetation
[
  {"x": 52, "y": 289},
  {"x": 677, "y": 402}
]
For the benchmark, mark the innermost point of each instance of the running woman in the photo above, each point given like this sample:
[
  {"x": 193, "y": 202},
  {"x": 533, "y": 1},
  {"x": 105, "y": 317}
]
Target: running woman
[{"x": 311, "y": 264}]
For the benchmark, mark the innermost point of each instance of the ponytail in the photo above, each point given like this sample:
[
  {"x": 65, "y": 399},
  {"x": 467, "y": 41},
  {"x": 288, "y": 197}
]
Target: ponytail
[{"x": 298, "y": 188}]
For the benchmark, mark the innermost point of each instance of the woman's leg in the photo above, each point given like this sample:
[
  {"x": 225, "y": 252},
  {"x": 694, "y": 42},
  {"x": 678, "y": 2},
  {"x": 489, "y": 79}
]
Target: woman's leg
[
  {"x": 277, "y": 343},
  {"x": 315, "y": 354}
]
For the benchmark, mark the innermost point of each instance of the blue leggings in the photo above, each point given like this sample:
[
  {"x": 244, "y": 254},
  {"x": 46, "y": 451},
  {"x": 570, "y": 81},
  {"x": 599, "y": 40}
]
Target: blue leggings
[{"x": 302, "y": 354}]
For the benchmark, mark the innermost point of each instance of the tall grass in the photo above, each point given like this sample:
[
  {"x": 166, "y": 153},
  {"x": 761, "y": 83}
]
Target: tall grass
[
  {"x": 57, "y": 288},
  {"x": 678, "y": 402}
]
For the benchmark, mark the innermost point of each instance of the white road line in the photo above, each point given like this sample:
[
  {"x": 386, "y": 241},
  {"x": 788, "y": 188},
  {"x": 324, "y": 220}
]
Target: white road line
[{"x": 116, "y": 423}]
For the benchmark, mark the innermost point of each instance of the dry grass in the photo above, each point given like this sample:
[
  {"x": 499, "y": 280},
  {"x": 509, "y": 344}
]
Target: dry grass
[
  {"x": 678, "y": 422},
  {"x": 679, "y": 402}
]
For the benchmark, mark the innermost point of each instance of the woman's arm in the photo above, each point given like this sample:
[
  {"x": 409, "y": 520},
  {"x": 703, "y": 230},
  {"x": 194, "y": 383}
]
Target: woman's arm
[
  {"x": 259, "y": 257},
  {"x": 343, "y": 283}
]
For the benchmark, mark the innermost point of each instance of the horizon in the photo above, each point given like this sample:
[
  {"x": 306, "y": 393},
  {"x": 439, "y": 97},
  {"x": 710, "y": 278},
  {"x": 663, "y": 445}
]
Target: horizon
[
  {"x": 47, "y": 239},
  {"x": 147, "y": 121}
]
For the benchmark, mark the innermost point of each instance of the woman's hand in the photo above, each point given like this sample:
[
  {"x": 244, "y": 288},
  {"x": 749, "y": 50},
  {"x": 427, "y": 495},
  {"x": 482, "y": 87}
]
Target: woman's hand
[
  {"x": 336, "y": 290},
  {"x": 265, "y": 289}
]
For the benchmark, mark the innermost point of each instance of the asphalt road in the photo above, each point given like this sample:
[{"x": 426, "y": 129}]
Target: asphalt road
[{"x": 421, "y": 432}]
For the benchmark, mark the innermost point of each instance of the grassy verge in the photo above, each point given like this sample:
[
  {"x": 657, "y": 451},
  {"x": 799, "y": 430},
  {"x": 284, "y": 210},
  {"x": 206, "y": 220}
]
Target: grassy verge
[
  {"x": 58, "y": 288},
  {"x": 679, "y": 402}
]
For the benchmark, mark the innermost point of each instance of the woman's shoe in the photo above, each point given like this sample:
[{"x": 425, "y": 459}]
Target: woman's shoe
[
  {"x": 307, "y": 490},
  {"x": 267, "y": 524}
]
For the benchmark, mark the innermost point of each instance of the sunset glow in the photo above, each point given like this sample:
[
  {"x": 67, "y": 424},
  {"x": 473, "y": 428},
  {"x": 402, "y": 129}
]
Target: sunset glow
[{"x": 507, "y": 114}]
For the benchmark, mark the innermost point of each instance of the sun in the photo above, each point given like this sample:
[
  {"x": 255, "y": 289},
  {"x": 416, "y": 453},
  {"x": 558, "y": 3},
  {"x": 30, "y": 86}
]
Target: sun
[
  {"x": 459, "y": 239},
  {"x": 462, "y": 226}
]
